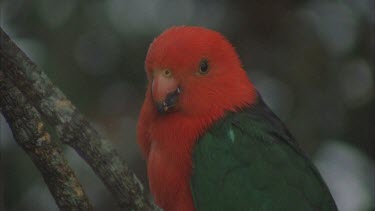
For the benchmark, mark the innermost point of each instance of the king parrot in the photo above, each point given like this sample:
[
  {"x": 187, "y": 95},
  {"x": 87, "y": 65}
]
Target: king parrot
[{"x": 209, "y": 141}]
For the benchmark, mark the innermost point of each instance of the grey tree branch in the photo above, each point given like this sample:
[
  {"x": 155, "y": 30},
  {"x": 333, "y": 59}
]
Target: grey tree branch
[
  {"x": 72, "y": 128},
  {"x": 29, "y": 132}
]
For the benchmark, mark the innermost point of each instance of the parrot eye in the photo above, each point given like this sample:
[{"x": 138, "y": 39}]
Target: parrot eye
[
  {"x": 167, "y": 73},
  {"x": 203, "y": 67}
]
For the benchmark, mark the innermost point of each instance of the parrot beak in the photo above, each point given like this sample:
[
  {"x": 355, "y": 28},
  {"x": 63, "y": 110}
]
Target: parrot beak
[{"x": 165, "y": 92}]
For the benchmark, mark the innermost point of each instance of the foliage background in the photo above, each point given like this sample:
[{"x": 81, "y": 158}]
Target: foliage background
[{"x": 312, "y": 61}]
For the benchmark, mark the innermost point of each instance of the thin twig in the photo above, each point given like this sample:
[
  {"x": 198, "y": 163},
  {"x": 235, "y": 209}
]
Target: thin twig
[{"x": 29, "y": 132}]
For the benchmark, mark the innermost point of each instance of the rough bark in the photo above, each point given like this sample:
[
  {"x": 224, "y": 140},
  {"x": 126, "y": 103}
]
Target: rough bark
[
  {"x": 71, "y": 127},
  {"x": 29, "y": 132}
]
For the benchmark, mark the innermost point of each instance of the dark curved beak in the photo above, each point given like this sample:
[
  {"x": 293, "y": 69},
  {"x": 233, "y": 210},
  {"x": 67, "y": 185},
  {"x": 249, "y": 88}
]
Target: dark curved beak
[{"x": 169, "y": 102}]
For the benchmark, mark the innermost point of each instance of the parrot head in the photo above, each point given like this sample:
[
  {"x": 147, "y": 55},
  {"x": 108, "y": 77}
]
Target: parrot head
[{"x": 196, "y": 71}]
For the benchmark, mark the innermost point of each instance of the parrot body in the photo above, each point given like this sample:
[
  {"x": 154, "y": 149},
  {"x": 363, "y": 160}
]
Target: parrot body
[
  {"x": 251, "y": 162},
  {"x": 209, "y": 141}
]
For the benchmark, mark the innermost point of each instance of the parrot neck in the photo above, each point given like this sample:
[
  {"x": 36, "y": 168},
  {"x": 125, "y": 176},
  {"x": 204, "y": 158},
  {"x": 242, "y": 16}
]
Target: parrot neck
[
  {"x": 172, "y": 138},
  {"x": 170, "y": 159}
]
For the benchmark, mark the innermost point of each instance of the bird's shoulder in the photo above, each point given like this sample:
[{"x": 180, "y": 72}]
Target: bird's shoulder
[{"x": 249, "y": 159}]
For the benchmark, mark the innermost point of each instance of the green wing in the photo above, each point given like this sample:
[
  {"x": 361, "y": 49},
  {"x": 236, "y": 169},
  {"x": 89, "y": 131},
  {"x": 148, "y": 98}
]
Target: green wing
[{"x": 249, "y": 161}]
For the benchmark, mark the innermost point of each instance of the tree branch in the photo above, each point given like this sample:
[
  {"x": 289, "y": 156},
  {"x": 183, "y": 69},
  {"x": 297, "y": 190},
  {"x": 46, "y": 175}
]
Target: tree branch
[
  {"x": 72, "y": 128},
  {"x": 29, "y": 132}
]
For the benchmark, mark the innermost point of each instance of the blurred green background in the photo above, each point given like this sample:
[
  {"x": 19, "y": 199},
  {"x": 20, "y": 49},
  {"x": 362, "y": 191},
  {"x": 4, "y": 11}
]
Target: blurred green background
[{"x": 312, "y": 60}]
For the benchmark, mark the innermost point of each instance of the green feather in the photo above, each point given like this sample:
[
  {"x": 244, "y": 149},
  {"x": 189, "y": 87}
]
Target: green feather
[{"x": 249, "y": 161}]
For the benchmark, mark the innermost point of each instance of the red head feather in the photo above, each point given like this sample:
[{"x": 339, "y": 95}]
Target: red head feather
[{"x": 174, "y": 59}]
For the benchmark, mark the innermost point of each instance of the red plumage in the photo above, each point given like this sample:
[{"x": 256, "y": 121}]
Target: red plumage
[{"x": 167, "y": 140}]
